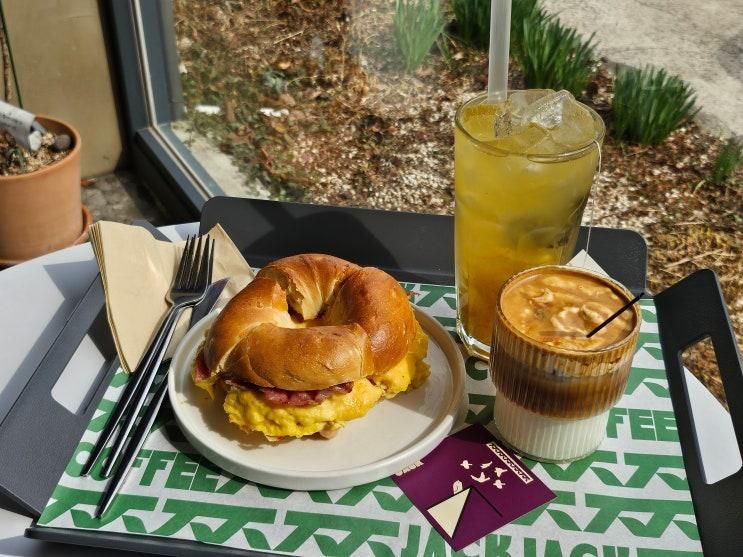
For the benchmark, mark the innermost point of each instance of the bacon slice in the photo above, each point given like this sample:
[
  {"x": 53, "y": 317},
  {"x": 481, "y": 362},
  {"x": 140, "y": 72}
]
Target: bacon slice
[
  {"x": 283, "y": 397},
  {"x": 297, "y": 398},
  {"x": 303, "y": 398},
  {"x": 201, "y": 372},
  {"x": 275, "y": 396}
]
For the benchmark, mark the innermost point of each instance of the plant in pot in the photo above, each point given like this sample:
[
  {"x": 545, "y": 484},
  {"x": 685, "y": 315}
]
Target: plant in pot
[{"x": 40, "y": 203}]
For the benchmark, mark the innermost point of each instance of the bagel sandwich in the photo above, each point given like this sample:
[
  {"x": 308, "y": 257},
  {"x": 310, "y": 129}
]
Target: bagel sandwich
[{"x": 312, "y": 342}]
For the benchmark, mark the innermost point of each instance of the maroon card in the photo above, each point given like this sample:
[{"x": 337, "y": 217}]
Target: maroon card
[{"x": 470, "y": 485}]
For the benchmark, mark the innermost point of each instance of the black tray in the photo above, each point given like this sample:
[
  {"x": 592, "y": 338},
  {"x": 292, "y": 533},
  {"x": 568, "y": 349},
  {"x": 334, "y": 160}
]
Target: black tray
[
  {"x": 419, "y": 248},
  {"x": 410, "y": 246}
]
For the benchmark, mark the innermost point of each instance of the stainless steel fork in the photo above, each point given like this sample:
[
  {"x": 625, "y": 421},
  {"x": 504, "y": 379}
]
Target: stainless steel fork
[{"x": 192, "y": 278}]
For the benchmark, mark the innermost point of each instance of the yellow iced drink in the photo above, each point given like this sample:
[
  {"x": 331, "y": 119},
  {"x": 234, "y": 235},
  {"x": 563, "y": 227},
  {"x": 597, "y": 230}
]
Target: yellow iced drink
[{"x": 519, "y": 195}]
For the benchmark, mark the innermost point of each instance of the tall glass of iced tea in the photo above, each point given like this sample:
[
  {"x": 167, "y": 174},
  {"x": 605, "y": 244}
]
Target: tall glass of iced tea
[{"x": 523, "y": 170}]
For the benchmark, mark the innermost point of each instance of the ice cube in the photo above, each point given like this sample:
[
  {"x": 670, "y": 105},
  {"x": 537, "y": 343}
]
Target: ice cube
[
  {"x": 547, "y": 112},
  {"x": 577, "y": 127},
  {"x": 516, "y": 106},
  {"x": 523, "y": 140},
  {"x": 520, "y": 101},
  {"x": 510, "y": 120},
  {"x": 503, "y": 126},
  {"x": 542, "y": 119}
]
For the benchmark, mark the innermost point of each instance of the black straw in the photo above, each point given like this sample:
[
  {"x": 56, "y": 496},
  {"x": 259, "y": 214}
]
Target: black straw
[{"x": 616, "y": 314}]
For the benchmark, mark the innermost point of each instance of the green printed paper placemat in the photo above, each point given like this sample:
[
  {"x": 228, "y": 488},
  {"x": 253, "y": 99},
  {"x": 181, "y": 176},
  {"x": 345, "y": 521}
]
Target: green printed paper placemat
[{"x": 630, "y": 498}]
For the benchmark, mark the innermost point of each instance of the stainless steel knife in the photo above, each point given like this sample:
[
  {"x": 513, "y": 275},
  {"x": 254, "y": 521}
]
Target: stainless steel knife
[{"x": 203, "y": 308}]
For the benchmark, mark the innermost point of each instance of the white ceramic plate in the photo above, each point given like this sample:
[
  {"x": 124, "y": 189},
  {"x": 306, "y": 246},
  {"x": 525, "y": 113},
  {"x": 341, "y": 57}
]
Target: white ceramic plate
[{"x": 394, "y": 434}]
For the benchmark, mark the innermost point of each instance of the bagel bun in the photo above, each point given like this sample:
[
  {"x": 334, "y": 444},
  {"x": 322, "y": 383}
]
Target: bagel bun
[
  {"x": 309, "y": 322},
  {"x": 312, "y": 342},
  {"x": 301, "y": 359}
]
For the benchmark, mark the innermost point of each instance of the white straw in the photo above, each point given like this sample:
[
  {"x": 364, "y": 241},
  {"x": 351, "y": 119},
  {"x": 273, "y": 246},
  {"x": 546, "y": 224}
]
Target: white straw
[{"x": 500, "y": 34}]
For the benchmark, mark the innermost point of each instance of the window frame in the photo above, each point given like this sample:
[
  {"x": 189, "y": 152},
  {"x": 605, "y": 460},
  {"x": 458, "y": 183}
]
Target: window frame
[{"x": 145, "y": 64}]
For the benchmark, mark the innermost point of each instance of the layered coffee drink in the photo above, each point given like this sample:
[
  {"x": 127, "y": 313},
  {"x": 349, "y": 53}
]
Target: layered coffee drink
[{"x": 555, "y": 384}]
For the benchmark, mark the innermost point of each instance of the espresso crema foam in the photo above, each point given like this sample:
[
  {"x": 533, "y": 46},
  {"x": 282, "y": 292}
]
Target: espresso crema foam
[
  {"x": 555, "y": 385},
  {"x": 560, "y": 307}
]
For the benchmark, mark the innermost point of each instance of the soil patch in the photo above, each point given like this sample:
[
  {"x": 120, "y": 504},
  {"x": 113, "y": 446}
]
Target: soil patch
[{"x": 15, "y": 160}]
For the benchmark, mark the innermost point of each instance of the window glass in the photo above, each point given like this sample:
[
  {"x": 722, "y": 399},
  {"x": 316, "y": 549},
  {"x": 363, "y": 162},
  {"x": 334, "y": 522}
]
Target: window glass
[{"x": 310, "y": 101}]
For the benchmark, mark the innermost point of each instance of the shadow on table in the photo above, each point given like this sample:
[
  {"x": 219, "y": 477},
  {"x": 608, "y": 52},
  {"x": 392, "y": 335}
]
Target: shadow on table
[
  {"x": 23, "y": 547},
  {"x": 339, "y": 234},
  {"x": 18, "y": 545},
  {"x": 264, "y": 231}
]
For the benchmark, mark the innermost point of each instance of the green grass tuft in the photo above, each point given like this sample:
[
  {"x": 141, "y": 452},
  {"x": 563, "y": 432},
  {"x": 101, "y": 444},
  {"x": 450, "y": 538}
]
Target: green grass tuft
[
  {"x": 553, "y": 56},
  {"x": 473, "y": 21},
  {"x": 417, "y": 26},
  {"x": 728, "y": 161},
  {"x": 649, "y": 104},
  {"x": 521, "y": 11}
]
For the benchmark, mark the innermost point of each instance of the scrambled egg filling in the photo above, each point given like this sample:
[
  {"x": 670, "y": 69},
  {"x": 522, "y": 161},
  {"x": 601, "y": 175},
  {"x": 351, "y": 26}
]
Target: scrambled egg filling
[
  {"x": 410, "y": 372},
  {"x": 250, "y": 411},
  {"x": 207, "y": 384}
]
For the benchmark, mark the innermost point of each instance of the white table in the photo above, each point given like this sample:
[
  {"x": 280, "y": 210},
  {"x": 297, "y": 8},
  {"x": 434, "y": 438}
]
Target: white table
[{"x": 36, "y": 297}]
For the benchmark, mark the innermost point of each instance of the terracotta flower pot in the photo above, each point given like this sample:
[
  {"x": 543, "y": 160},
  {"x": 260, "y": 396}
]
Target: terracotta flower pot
[{"x": 42, "y": 211}]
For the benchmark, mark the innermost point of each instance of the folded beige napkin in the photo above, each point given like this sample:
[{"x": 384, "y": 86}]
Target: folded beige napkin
[{"x": 137, "y": 271}]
